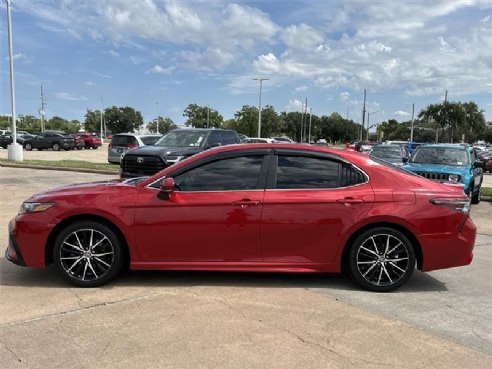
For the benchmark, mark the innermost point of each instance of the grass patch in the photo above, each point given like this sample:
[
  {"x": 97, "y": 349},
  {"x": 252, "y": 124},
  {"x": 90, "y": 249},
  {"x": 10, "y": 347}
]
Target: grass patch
[
  {"x": 66, "y": 164},
  {"x": 487, "y": 191}
]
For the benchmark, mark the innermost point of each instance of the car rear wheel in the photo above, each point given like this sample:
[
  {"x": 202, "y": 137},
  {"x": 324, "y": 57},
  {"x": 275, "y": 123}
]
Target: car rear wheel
[
  {"x": 94, "y": 147},
  {"x": 381, "y": 259},
  {"x": 88, "y": 254},
  {"x": 28, "y": 146},
  {"x": 56, "y": 147}
]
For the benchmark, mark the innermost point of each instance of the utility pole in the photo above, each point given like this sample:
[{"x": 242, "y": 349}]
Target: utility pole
[
  {"x": 157, "y": 117},
  {"x": 208, "y": 116},
  {"x": 363, "y": 116},
  {"x": 15, "y": 152},
  {"x": 411, "y": 129},
  {"x": 101, "y": 118},
  {"x": 42, "y": 110},
  {"x": 259, "y": 105},
  {"x": 305, "y": 118},
  {"x": 302, "y": 121},
  {"x": 310, "y": 120}
]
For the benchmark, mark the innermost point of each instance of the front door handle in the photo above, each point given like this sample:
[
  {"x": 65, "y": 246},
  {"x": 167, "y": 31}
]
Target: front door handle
[
  {"x": 245, "y": 203},
  {"x": 350, "y": 200}
]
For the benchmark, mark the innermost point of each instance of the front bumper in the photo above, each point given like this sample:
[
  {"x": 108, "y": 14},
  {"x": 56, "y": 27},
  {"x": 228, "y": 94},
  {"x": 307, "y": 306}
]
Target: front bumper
[{"x": 13, "y": 253}]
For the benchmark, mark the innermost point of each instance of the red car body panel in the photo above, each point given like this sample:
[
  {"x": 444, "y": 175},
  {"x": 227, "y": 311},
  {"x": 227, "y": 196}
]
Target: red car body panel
[{"x": 271, "y": 230}]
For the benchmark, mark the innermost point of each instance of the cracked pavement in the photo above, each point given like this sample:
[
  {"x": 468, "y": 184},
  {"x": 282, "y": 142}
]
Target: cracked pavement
[{"x": 238, "y": 320}]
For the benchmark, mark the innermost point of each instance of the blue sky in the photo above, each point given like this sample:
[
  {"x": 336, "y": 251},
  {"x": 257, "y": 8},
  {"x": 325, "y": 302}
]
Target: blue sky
[{"x": 158, "y": 56}]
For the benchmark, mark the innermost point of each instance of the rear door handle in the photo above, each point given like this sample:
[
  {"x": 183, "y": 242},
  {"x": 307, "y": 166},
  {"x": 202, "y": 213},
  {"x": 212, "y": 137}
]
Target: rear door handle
[
  {"x": 350, "y": 200},
  {"x": 245, "y": 203}
]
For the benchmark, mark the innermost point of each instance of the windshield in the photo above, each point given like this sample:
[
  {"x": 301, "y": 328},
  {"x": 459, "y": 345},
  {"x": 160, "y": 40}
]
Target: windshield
[
  {"x": 182, "y": 138},
  {"x": 440, "y": 155}
]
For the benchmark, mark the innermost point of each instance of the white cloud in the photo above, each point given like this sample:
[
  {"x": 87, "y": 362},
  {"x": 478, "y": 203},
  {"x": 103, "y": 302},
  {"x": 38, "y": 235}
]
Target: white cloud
[
  {"x": 89, "y": 84},
  {"x": 67, "y": 96},
  {"x": 160, "y": 70},
  {"x": 114, "y": 54},
  {"x": 401, "y": 113},
  {"x": 301, "y": 88},
  {"x": 344, "y": 96}
]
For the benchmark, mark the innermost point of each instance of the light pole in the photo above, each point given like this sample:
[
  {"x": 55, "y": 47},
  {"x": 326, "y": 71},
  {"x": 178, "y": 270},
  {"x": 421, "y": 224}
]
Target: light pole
[
  {"x": 157, "y": 117},
  {"x": 368, "y": 116},
  {"x": 259, "y": 105},
  {"x": 15, "y": 152}
]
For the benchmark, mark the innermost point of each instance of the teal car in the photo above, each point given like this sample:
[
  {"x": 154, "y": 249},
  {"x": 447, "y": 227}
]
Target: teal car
[{"x": 449, "y": 163}]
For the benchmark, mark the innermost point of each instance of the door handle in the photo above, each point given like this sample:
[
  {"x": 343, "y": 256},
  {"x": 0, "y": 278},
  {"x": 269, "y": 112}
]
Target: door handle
[
  {"x": 350, "y": 200},
  {"x": 245, "y": 203}
]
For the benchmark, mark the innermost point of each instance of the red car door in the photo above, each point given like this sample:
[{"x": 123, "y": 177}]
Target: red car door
[
  {"x": 309, "y": 208},
  {"x": 213, "y": 216}
]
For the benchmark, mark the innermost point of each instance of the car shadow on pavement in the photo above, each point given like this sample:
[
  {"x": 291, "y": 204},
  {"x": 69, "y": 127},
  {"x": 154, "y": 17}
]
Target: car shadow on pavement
[{"x": 12, "y": 275}]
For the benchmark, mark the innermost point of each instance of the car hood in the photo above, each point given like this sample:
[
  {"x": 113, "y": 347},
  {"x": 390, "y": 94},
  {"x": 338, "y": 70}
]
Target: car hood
[
  {"x": 81, "y": 189},
  {"x": 153, "y": 150},
  {"x": 435, "y": 168}
]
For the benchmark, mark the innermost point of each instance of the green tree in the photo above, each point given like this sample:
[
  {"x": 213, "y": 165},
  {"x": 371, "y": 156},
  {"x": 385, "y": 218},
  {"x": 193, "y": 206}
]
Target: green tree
[
  {"x": 246, "y": 121},
  {"x": 165, "y": 125},
  {"x": 456, "y": 120},
  {"x": 271, "y": 123},
  {"x": 92, "y": 121},
  {"x": 124, "y": 119},
  {"x": 202, "y": 117}
]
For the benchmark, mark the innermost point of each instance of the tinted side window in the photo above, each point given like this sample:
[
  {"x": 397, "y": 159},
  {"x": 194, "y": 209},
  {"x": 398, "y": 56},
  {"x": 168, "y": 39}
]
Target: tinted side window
[
  {"x": 231, "y": 174},
  {"x": 297, "y": 172},
  {"x": 214, "y": 139},
  {"x": 228, "y": 137}
]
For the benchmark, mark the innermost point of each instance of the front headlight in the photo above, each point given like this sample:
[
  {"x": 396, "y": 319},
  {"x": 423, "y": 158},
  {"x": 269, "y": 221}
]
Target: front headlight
[
  {"x": 454, "y": 178},
  {"x": 35, "y": 207}
]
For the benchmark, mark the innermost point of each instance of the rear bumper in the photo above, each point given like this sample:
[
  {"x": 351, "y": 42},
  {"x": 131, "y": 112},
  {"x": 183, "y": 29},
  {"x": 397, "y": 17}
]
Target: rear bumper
[{"x": 449, "y": 250}]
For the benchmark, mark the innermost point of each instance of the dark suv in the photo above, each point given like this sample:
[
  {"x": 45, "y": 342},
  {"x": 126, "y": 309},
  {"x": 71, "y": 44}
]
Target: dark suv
[
  {"x": 50, "y": 140},
  {"x": 171, "y": 148}
]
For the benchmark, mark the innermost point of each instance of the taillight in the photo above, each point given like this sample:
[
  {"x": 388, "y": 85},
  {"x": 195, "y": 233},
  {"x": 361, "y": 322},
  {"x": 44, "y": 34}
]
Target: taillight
[{"x": 458, "y": 205}]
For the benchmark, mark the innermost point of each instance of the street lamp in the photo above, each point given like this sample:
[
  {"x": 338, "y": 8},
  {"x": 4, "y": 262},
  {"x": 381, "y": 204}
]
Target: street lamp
[
  {"x": 14, "y": 150},
  {"x": 368, "y": 117},
  {"x": 259, "y": 105}
]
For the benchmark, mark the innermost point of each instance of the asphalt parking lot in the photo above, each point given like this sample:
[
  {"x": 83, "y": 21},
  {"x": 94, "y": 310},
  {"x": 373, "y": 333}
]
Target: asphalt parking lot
[{"x": 441, "y": 319}]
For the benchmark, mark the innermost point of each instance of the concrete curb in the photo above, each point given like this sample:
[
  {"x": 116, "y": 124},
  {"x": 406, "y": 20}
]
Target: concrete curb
[{"x": 80, "y": 170}]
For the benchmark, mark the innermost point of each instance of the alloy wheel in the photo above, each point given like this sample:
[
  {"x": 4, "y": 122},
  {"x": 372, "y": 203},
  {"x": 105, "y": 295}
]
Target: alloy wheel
[
  {"x": 382, "y": 259},
  {"x": 86, "y": 255}
]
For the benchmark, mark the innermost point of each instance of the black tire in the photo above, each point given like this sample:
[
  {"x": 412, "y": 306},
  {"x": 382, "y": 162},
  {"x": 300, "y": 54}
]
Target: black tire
[
  {"x": 94, "y": 147},
  {"x": 56, "y": 146},
  {"x": 28, "y": 146},
  {"x": 74, "y": 255},
  {"x": 476, "y": 198},
  {"x": 79, "y": 147},
  {"x": 381, "y": 259}
]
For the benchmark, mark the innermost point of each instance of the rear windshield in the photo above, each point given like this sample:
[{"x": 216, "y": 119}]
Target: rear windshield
[{"x": 123, "y": 140}]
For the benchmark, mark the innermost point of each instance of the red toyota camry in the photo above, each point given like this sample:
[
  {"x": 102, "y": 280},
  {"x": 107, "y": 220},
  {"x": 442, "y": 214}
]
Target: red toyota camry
[{"x": 254, "y": 207}]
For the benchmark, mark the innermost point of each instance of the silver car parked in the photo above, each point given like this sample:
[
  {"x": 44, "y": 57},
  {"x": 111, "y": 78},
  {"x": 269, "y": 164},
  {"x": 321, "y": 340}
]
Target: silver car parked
[{"x": 122, "y": 142}]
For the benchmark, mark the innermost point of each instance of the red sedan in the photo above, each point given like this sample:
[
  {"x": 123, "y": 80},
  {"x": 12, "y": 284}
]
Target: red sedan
[{"x": 257, "y": 207}]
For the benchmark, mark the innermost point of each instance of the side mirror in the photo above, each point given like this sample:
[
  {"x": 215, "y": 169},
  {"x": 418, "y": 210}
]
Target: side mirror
[
  {"x": 167, "y": 187},
  {"x": 404, "y": 160},
  {"x": 479, "y": 164}
]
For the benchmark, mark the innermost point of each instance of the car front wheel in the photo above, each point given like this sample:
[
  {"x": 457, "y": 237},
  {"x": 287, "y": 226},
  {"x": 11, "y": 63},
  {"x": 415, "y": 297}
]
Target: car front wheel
[
  {"x": 88, "y": 254},
  {"x": 381, "y": 259},
  {"x": 28, "y": 146},
  {"x": 56, "y": 147}
]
